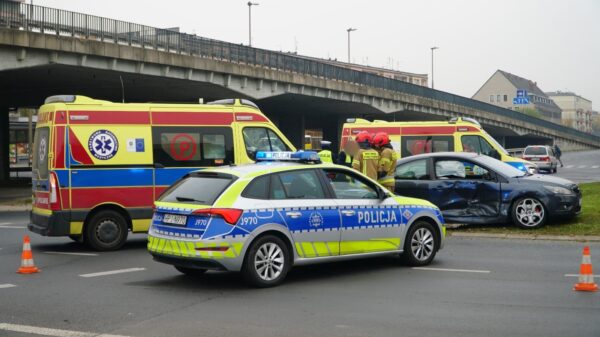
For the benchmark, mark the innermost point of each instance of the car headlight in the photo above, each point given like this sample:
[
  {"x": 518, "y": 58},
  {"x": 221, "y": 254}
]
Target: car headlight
[
  {"x": 558, "y": 189},
  {"x": 532, "y": 169}
]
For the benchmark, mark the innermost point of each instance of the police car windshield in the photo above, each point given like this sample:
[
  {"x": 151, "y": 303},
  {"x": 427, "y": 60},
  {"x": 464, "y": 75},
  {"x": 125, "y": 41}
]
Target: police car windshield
[{"x": 198, "y": 189}]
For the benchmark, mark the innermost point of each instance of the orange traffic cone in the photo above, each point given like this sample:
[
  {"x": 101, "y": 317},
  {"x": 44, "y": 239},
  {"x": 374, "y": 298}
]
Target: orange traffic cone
[
  {"x": 27, "y": 266},
  {"x": 586, "y": 276}
]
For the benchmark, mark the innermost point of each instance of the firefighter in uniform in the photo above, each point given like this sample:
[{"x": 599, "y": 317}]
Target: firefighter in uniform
[
  {"x": 345, "y": 156},
  {"x": 325, "y": 153},
  {"x": 366, "y": 159},
  {"x": 387, "y": 160}
]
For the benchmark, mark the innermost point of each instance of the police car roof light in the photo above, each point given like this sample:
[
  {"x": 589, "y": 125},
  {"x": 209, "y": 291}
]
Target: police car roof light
[{"x": 299, "y": 156}]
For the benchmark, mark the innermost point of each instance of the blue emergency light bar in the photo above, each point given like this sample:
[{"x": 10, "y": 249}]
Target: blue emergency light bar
[{"x": 300, "y": 156}]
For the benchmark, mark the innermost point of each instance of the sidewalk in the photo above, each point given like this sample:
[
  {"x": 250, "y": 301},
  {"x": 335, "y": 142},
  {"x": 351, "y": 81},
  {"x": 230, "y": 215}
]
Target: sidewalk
[
  {"x": 15, "y": 198},
  {"x": 575, "y": 238}
]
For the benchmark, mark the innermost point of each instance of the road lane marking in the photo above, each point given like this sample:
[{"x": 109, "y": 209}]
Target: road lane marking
[
  {"x": 12, "y": 227},
  {"x": 454, "y": 270},
  {"x": 596, "y": 166},
  {"x": 112, "y": 272},
  {"x": 7, "y": 285},
  {"x": 582, "y": 166},
  {"x": 569, "y": 166},
  {"x": 69, "y": 253},
  {"x": 577, "y": 275},
  {"x": 50, "y": 332}
]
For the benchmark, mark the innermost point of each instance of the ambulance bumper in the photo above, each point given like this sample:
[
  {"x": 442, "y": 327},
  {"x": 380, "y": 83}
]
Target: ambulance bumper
[{"x": 55, "y": 224}]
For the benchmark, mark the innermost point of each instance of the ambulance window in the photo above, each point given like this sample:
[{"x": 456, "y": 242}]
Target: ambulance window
[
  {"x": 213, "y": 146},
  {"x": 40, "y": 156},
  {"x": 192, "y": 146},
  {"x": 258, "y": 188},
  {"x": 478, "y": 145},
  {"x": 303, "y": 184},
  {"x": 412, "y": 145},
  {"x": 276, "y": 143},
  {"x": 262, "y": 139},
  {"x": 347, "y": 185}
]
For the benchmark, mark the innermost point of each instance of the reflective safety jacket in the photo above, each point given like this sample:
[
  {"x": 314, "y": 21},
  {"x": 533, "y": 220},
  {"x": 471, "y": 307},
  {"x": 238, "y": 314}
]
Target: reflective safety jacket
[
  {"x": 344, "y": 159},
  {"x": 325, "y": 156},
  {"x": 366, "y": 161},
  {"x": 387, "y": 166}
]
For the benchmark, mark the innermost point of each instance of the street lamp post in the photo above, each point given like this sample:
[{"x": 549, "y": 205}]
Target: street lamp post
[
  {"x": 432, "y": 49},
  {"x": 250, "y": 4},
  {"x": 349, "y": 30}
]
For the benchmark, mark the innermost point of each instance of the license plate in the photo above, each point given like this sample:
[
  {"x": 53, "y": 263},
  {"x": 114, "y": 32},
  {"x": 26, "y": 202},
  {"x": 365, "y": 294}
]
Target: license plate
[
  {"x": 175, "y": 219},
  {"x": 535, "y": 159}
]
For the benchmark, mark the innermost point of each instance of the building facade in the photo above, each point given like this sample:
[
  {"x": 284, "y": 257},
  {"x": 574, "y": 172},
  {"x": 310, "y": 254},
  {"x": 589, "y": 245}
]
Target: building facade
[
  {"x": 502, "y": 88},
  {"x": 576, "y": 110}
]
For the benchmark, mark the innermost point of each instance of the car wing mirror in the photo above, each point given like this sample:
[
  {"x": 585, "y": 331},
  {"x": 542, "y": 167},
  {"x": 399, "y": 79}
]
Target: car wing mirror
[{"x": 383, "y": 194}]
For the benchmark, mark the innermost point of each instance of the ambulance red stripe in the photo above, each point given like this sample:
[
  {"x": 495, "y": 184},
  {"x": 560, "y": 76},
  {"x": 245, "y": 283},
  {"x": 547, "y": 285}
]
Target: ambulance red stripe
[
  {"x": 77, "y": 150},
  {"x": 59, "y": 148},
  {"x": 125, "y": 196},
  {"x": 109, "y": 117},
  {"x": 191, "y": 118}
]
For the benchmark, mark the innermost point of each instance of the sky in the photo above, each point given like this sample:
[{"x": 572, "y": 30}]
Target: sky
[{"x": 554, "y": 43}]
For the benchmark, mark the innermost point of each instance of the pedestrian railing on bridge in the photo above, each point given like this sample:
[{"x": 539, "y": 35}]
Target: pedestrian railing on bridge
[{"x": 46, "y": 20}]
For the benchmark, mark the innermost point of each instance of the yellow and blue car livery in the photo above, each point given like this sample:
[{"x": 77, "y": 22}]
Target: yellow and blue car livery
[{"x": 313, "y": 212}]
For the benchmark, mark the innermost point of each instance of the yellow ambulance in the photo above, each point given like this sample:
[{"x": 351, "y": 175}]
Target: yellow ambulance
[
  {"x": 459, "y": 134},
  {"x": 98, "y": 166}
]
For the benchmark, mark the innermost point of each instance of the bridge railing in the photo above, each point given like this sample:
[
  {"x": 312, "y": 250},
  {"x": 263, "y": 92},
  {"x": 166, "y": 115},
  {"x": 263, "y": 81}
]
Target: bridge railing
[{"x": 46, "y": 20}]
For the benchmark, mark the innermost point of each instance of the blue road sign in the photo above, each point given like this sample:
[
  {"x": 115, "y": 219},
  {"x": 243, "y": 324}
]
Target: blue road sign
[
  {"x": 522, "y": 93},
  {"x": 521, "y": 100}
]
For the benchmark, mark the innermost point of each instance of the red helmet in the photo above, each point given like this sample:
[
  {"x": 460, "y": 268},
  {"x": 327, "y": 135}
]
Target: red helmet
[
  {"x": 363, "y": 137},
  {"x": 381, "y": 139}
]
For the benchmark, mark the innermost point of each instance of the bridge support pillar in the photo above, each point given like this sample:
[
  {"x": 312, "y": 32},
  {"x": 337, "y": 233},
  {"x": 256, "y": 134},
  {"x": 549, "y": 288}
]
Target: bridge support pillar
[{"x": 4, "y": 145}]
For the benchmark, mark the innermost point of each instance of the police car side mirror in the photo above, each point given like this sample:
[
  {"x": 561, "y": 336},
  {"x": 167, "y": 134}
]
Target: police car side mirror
[{"x": 383, "y": 194}]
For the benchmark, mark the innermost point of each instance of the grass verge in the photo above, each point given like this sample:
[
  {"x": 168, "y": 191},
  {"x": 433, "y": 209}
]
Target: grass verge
[
  {"x": 16, "y": 202},
  {"x": 586, "y": 223}
]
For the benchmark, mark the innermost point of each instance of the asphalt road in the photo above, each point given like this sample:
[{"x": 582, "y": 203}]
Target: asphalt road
[
  {"x": 580, "y": 167},
  {"x": 501, "y": 288}
]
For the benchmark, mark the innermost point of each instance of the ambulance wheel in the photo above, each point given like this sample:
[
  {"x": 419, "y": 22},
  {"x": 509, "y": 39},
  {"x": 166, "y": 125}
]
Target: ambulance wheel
[
  {"x": 267, "y": 262},
  {"x": 190, "y": 271},
  {"x": 106, "y": 230},
  {"x": 421, "y": 244}
]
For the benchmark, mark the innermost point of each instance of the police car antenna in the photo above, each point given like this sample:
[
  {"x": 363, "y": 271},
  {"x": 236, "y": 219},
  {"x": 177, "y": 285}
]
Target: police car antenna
[{"x": 122, "y": 90}]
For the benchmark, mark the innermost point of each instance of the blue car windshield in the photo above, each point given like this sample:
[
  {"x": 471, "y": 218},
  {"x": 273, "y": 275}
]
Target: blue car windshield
[{"x": 501, "y": 167}]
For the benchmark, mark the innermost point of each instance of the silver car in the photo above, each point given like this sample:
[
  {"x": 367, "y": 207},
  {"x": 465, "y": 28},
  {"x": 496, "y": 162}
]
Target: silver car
[
  {"x": 543, "y": 156},
  {"x": 262, "y": 219}
]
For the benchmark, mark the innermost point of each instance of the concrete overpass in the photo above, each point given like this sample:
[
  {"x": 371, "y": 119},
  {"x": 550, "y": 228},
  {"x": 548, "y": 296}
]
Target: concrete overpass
[{"x": 45, "y": 51}]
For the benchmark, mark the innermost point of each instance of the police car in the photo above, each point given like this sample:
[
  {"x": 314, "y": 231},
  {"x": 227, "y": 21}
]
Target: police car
[{"x": 287, "y": 209}]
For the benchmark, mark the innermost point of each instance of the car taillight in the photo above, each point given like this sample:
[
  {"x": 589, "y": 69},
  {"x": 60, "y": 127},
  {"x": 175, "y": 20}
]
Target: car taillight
[
  {"x": 53, "y": 199},
  {"x": 527, "y": 158},
  {"x": 545, "y": 158},
  {"x": 230, "y": 215}
]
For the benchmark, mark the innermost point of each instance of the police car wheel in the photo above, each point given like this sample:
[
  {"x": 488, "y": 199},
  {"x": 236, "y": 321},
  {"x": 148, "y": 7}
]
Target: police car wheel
[
  {"x": 267, "y": 262},
  {"x": 529, "y": 213},
  {"x": 190, "y": 271},
  {"x": 106, "y": 230},
  {"x": 421, "y": 244}
]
